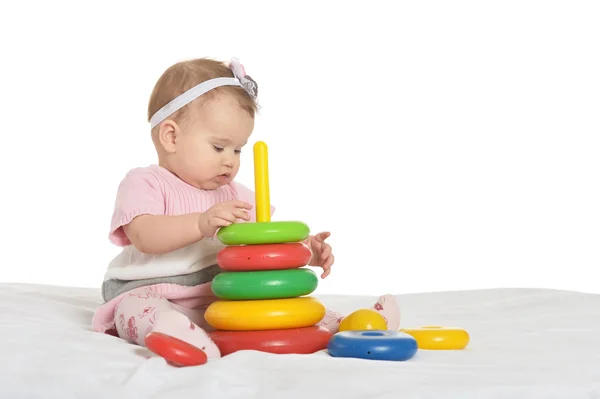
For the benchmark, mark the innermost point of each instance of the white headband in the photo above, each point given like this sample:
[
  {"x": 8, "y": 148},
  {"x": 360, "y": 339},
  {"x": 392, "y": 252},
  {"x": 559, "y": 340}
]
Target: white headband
[{"x": 240, "y": 79}]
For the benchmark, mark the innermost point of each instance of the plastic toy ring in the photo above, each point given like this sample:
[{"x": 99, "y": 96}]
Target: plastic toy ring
[
  {"x": 439, "y": 338},
  {"x": 263, "y": 257},
  {"x": 270, "y": 284},
  {"x": 175, "y": 351},
  {"x": 263, "y": 233},
  {"x": 373, "y": 344},
  {"x": 266, "y": 314},
  {"x": 303, "y": 341}
]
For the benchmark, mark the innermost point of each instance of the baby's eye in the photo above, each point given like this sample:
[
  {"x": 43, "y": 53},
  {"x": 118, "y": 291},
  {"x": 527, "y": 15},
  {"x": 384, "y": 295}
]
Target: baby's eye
[
  {"x": 217, "y": 148},
  {"x": 238, "y": 151}
]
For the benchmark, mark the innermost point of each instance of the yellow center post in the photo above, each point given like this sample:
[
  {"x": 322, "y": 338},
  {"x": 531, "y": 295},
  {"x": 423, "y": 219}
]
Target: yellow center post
[{"x": 261, "y": 182}]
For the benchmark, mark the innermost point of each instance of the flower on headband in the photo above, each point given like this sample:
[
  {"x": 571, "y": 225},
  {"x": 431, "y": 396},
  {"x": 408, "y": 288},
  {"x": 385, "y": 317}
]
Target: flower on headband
[{"x": 247, "y": 82}]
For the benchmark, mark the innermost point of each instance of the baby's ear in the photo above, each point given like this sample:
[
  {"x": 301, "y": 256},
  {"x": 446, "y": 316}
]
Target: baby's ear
[{"x": 168, "y": 131}]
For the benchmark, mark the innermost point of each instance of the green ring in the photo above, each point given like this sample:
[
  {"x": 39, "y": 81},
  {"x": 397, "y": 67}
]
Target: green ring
[
  {"x": 263, "y": 233},
  {"x": 270, "y": 284}
]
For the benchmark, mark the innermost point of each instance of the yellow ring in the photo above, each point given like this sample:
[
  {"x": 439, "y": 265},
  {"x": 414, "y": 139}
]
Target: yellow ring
[
  {"x": 266, "y": 314},
  {"x": 439, "y": 338}
]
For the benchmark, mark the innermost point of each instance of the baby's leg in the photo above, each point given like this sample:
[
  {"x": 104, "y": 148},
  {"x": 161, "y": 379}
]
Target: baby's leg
[
  {"x": 386, "y": 305},
  {"x": 195, "y": 309},
  {"x": 142, "y": 312}
]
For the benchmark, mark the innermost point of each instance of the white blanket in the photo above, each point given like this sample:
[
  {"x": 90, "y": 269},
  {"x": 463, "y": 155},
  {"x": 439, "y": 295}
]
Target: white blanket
[{"x": 524, "y": 344}]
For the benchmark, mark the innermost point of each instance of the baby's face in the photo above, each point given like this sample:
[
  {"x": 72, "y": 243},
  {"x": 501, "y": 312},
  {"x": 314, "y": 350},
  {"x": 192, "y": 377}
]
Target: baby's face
[{"x": 208, "y": 150}]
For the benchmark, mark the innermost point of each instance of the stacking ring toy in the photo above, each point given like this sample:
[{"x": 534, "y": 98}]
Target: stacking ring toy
[
  {"x": 175, "y": 351},
  {"x": 303, "y": 341},
  {"x": 263, "y": 233},
  {"x": 267, "y": 314},
  {"x": 270, "y": 284},
  {"x": 264, "y": 257},
  {"x": 439, "y": 338},
  {"x": 373, "y": 344}
]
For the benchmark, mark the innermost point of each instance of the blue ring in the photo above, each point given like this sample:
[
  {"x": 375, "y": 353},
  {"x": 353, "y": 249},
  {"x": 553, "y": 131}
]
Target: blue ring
[{"x": 373, "y": 344}]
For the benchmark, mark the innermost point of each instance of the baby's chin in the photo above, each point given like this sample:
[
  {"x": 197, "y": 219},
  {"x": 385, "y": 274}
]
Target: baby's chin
[{"x": 212, "y": 184}]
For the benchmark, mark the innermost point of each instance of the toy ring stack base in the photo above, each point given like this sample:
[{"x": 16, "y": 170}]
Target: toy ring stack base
[
  {"x": 304, "y": 340},
  {"x": 279, "y": 326}
]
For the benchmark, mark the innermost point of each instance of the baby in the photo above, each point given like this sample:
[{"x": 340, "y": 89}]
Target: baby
[{"x": 166, "y": 216}]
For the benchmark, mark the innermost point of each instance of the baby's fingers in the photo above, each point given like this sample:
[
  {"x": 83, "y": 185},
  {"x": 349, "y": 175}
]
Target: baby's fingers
[
  {"x": 322, "y": 236},
  {"x": 226, "y": 215},
  {"x": 217, "y": 222},
  {"x": 240, "y": 204},
  {"x": 327, "y": 266},
  {"x": 241, "y": 214},
  {"x": 326, "y": 251}
]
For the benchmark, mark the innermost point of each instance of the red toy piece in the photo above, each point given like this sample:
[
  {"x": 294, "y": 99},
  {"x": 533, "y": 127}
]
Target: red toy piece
[
  {"x": 305, "y": 340},
  {"x": 263, "y": 257},
  {"x": 175, "y": 351}
]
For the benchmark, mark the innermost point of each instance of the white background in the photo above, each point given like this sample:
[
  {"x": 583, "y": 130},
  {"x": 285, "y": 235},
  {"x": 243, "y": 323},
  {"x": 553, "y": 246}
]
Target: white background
[{"x": 445, "y": 145}]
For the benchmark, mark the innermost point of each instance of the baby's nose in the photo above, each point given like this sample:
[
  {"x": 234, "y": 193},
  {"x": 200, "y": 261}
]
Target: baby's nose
[{"x": 228, "y": 161}]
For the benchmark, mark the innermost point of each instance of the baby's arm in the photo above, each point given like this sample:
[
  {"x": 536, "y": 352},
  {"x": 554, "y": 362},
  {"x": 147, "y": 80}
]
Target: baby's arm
[
  {"x": 158, "y": 234},
  {"x": 139, "y": 217}
]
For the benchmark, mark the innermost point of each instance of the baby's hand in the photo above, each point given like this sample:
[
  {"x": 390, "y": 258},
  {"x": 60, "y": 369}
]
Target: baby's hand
[
  {"x": 322, "y": 254},
  {"x": 221, "y": 215}
]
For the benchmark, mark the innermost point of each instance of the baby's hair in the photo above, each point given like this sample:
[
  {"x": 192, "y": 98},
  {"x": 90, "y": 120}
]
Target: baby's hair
[{"x": 184, "y": 75}]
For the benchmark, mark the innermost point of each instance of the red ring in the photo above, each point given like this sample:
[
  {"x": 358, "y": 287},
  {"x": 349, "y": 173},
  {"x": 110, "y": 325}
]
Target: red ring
[
  {"x": 175, "y": 351},
  {"x": 263, "y": 257},
  {"x": 304, "y": 341}
]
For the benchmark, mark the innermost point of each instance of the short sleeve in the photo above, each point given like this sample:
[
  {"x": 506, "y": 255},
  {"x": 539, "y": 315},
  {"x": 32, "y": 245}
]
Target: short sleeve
[
  {"x": 243, "y": 193},
  {"x": 139, "y": 193}
]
